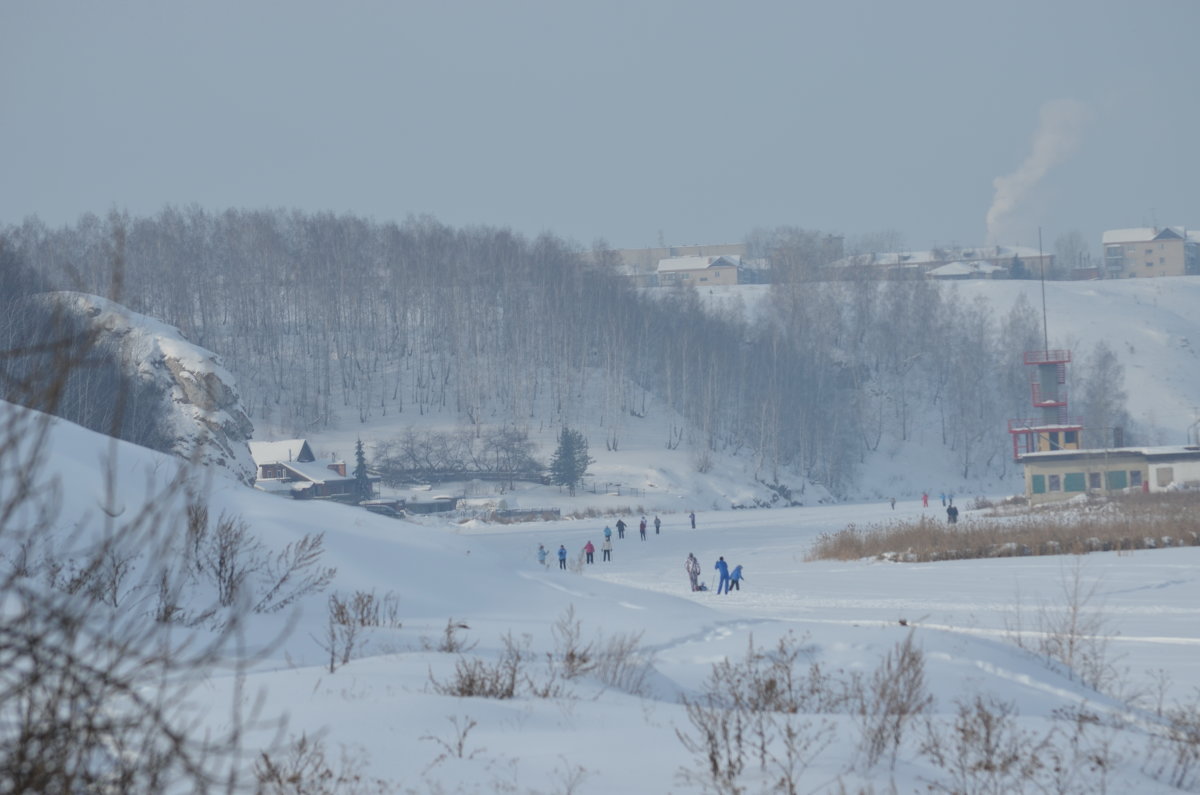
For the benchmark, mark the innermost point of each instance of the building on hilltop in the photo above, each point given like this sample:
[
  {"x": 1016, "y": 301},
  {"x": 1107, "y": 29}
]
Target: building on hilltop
[
  {"x": 980, "y": 262},
  {"x": 699, "y": 271},
  {"x": 1151, "y": 251}
]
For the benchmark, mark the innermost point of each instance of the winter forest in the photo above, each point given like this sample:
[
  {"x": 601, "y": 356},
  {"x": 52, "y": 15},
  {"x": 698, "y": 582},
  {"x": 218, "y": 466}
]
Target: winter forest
[{"x": 333, "y": 319}]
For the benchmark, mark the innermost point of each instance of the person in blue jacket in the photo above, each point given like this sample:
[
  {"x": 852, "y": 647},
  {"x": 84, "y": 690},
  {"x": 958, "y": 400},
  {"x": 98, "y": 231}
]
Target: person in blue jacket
[
  {"x": 562, "y": 556},
  {"x": 607, "y": 532},
  {"x": 735, "y": 579},
  {"x": 541, "y": 553},
  {"x": 723, "y": 570}
]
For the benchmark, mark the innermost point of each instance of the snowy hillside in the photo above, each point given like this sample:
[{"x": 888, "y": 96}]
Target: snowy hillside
[
  {"x": 1148, "y": 323},
  {"x": 388, "y": 708}
]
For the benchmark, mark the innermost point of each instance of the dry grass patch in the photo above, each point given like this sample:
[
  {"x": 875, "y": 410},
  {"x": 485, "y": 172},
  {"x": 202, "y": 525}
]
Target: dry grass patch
[{"x": 1126, "y": 523}]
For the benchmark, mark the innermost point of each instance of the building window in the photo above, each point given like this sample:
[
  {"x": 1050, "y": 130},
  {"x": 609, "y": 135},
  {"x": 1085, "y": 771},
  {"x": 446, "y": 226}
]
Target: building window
[
  {"x": 1093, "y": 480},
  {"x": 1073, "y": 481},
  {"x": 1071, "y": 437},
  {"x": 1039, "y": 484},
  {"x": 1135, "y": 477},
  {"x": 1116, "y": 480},
  {"x": 1055, "y": 482},
  {"x": 1164, "y": 476}
]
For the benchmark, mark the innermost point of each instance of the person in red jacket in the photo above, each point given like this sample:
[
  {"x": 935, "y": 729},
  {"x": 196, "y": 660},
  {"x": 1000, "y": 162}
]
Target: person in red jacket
[{"x": 589, "y": 550}]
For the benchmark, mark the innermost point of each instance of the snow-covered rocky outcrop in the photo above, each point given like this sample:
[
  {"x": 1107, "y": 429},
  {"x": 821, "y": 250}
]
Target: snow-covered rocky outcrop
[{"x": 204, "y": 420}]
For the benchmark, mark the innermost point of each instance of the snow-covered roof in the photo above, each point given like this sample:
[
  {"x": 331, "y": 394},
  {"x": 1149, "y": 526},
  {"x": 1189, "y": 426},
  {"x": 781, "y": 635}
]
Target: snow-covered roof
[
  {"x": 977, "y": 268},
  {"x": 949, "y": 255},
  {"x": 280, "y": 451},
  {"x": 1161, "y": 451},
  {"x": 698, "y": 263},
  {"x": 1144, "y": 234},
  {"x": 315, "y": 471}
]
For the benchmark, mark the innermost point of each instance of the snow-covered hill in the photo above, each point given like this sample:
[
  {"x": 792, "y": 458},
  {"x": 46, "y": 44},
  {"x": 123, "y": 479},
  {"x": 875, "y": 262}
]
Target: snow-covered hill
[{"x": 385, "y": 708}]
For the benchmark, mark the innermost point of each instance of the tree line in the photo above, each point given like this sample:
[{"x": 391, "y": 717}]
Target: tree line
[{"x": 328, "y": 318}]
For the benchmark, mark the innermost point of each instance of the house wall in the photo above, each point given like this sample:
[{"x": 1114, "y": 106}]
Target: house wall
[
  {"x": 1144, "y": 259},
  {"x": 1053, "y": 481},
  {"x": 705, "y": 276},
  {"x": 1174, "y": 474}
]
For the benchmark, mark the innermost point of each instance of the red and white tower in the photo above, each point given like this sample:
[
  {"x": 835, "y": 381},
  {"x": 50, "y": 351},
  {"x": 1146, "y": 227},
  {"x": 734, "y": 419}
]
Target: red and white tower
[{"x": 1054, "y": 429}]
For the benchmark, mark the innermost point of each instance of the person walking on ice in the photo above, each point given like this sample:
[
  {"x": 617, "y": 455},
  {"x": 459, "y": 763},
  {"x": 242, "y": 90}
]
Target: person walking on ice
[
  {"x": 692, "y": 516},
  {"x": 606, "y": 548},
  {"x": 642, "y": 528},
  {"x": 692, "y": 567},
  {"x": 589, "y": 550},
  {"x": 607, "y": 532},
  {"x": 620, "y": 528},
  {"x": 562, "y": 557},
  {"x": 735, "y": 579},
  {"x": 657, "y": 524},
  {"x": 723, "y": 570},
  {"x": 541, "y": 554}
]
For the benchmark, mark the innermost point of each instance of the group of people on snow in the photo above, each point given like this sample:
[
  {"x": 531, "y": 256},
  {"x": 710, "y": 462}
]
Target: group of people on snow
[
  {"x": 589, "y": 549},
  {"x": 727, "y": 580}
]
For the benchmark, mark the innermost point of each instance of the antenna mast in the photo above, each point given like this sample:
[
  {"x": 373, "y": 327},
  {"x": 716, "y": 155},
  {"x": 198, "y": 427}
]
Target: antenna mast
[{"x": 1042, "y": 261}]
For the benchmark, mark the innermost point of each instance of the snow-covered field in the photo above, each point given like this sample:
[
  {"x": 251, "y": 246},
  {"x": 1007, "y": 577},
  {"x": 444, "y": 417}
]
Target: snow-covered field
[{"x": 382, "y": 708}]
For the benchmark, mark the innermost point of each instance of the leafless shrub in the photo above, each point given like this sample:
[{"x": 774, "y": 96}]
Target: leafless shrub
[
  {"x": 752, "y": 711},
  {"x": 1174, "y": 754},
  {"x": 890, "y": 700},
  {"x": 456, "y": 746},
  {"x": 479, "y": 678},
  {"x": 304, "y": 769},
  {"x": 1073, "y": 631},
  {"x": 573, "y": 655},
  {"x": 986, "y": 752},
  {"x": 451, "y": 642},
  {"x": 1081, "y": 753},
  {"x": 349, "y": 618},
  {"x": 239, "y": 566},
  {"x": 621, "y": 663}
]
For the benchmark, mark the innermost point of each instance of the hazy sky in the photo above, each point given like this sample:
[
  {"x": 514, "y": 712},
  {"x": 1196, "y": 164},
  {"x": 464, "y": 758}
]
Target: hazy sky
[{"x": 693, "y": 121}]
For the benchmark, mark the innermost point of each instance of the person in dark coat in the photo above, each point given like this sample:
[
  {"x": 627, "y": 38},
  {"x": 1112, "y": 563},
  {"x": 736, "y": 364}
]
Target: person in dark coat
[
  {"x": 620, "y": 528},
  {"x": 642, "y": 528},
  {"x": 562, "y": 556},
  {"x": 657, "y": 524},
  {"x": 692, "y": 516},
  {"x": 723, "y": 570}
]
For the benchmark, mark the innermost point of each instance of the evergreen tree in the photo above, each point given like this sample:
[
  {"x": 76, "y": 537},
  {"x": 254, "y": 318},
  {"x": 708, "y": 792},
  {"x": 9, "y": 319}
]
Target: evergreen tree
[
  {"x": 570, "y": 460},
  {"x": 362, "y": 482},
  {"x": 1017, "y": 269}
]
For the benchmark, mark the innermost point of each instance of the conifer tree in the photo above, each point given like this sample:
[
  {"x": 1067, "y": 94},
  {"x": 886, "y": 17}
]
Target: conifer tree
[
  {"x": 362, "y": 482},
  {"x": 570, "y": 461}
]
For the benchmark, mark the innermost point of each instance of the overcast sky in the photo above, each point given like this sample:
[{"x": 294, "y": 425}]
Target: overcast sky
[{"x": 690, "y": 122}]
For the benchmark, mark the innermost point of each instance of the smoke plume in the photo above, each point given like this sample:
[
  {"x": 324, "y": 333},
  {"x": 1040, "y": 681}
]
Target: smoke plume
[{"x": 1060, "y": 124}]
